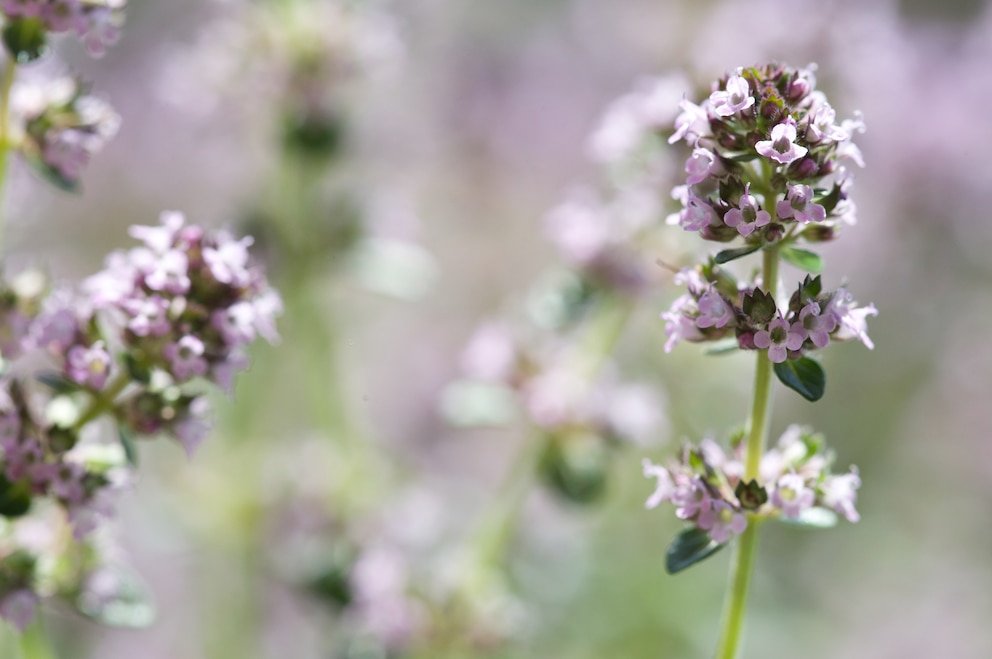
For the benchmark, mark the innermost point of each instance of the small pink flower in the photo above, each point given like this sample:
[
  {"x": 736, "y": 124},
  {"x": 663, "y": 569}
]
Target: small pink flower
[
  {"x": 778, "y": 339},
  {"x": 792, "y": 496},
  {"x": 89, "y": 365},
  {"x": 747, "y": 216},
  {"x": 841, "y": 493},
  {"x": 735, "y": 98},
  {"x": 691, "y": 124},
  {"x": 714, "y": 311},
  {"x": 680, "y": 322},
  {"x": 782, "y": 146},
  {"x": 186, "y": 357},
  {"x": 816, "y": 325},
  {"x": 851, "y": 319},
  {"x": 799, "y": 205},
  {"x": 700, "y": 165},
  {"x": 697, "y": 214},
  {"x": 665, "y": 488},
  {"x": 722, "y": 522}
]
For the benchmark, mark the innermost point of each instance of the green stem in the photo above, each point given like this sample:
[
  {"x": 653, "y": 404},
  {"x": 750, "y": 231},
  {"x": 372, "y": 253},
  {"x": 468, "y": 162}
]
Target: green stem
[
  {"x": 9, "y": 73},
  {"x": 104, "y": 401},
  {"x": 757, "y": 435}
]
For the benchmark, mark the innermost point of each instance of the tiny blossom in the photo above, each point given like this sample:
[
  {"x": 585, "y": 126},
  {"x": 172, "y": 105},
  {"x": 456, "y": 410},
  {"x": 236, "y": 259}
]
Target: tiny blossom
[
  {"x": 798, "y": 204},
  {"x": 851, "y": 319},
  {"x": 186, "y": 357},
  {"x": 691, "y": 124},
  {"x": 89, "y": 365},
  {"x": 697, "y": 214},
  {"x": 699, "y": 165},
  {"x": 148, "y": 316},
  {"x": 792, "y": 495},
  {"x": 782, "y": 146},
  {"x": 821, "y": 123},
  {"x": 841, "y": 492},
  {"x": 680, "y": 322},
  {"x": 722, "y": 522},
  {"x": 778, "y": 339},
  {"x": 715, "y": 456},
  {"x": 228, "y": 262},
  {"x": 735, "y": 98},
  {"x": 694, "y": 500},
  {"x": 714, "y": 310},
  {"x": 747, "y": 216},
  {"x": 665, "y": 488},
  {"x": 816, "y": 325}
]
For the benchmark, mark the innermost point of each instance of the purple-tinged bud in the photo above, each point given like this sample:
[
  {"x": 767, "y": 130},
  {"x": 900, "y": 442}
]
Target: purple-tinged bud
[
  {"x": 804, "y": 169},
  {"x": 751, "y": 495},
  {"x": 745, "y": 340},
  {"x": 771, "y": 109},
  {"x": 774, "y": 232},
  {"x": 819, "y": 233},
  {"x": 720, "y": 233},
  {"x": 798, "y": 89}
]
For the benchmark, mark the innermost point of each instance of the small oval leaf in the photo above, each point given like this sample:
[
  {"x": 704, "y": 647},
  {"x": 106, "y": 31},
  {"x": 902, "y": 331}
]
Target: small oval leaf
[
  {"x": 813, "y": 518},
  {"x": 803, "y": 259},
  {"x": 690, "y": 546},
  {"x": 804, "y": 376},
  {"x": 728, "y": 255}
]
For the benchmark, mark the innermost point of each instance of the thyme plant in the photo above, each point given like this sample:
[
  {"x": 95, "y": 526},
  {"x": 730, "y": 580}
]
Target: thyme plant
[{"x": 768, "y": 176}]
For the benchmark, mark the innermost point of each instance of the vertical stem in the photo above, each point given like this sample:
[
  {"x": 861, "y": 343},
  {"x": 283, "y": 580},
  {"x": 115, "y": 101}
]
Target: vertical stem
[
  {"x": 757, "y": 435},
  {"x": 9, "y": 72}
]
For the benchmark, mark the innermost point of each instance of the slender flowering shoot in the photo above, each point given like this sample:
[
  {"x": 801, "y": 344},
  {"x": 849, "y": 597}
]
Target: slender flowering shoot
[{"x": 768, "y": 173}]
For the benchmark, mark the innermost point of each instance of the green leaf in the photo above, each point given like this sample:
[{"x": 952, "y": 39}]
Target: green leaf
[
  {"x": 49, "y": 173},
  {"x": 58, "y": 382},
  {"x": 803, "y": 259},
  {"x": 689, "y": 547},
  {"x": 126, "y": 605},
  {"x": 830, "y": 199},
  {"x": 728, "y": 255},
  {"x": 127, "y": 442},
  {"x": 804, "y": 376},
  {"x": 813, "y": 518}
]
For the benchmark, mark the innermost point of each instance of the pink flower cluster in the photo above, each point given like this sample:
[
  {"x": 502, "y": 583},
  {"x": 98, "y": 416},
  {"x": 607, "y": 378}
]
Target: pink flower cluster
[
  {"x": 63, "y": 127},
  {"x": 707, "y": 486},
  {"x": 96, "y": 22},
  {"x": 181, "y": 307},
  {"x": 714, "y": 306},
  {"x": 756, "y": 120}
]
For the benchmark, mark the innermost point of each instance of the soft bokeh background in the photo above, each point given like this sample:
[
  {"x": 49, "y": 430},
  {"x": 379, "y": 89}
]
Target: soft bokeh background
[{"x": 478, "y": 127}]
